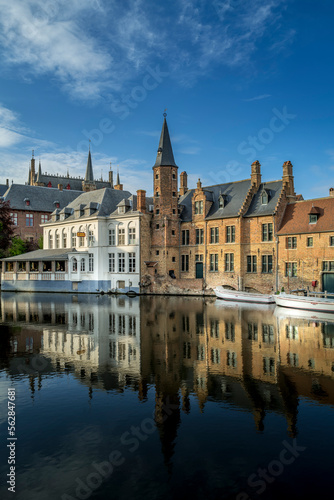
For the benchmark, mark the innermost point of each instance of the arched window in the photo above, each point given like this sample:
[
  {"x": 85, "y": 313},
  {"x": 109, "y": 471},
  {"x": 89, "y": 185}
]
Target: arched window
[
  {"x": 264, "y": 198},
  {"x": 83, "y": 265},
  {"x": 111, "y": 235},
  {"x": 74, "y": 265},
  {"x": 50, "y": 239},
  {"x": 73, "y": 238},
  {"x": 64, "y": 236},
  {"x": 57, "y": 239},
  {"x": 90, "y": 236},
  {"x": 121, "y": 234},
  {"x": 132, "y": 234},
  {"x": 81, "y": 238}
]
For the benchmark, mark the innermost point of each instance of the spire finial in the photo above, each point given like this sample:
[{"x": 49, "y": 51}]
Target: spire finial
[
  {"x": 165, "y": 114},
  {"x": 89, "y": 144},
  {"x": 32, "y": 153}
]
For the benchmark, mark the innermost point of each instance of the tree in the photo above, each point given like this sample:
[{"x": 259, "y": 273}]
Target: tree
[
  {"x": 17, "y": 247},
  {"x": 6, "y": 226}
]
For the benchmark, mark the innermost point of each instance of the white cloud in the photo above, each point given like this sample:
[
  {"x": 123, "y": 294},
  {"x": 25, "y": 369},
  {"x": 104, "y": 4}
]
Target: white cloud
[{"x": 258, "y": 98}]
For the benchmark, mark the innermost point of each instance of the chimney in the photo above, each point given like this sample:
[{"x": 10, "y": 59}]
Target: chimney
[
  {"x": 256, "y": 173},
  {"x": 7, "y": 182},
  {"x": 183, "y": 183},
  {"x": 141, "y": 201},
  {"x": 287, "y": 178},
  {"x": 60, "y": 187},
  {"x": 111, "y": 178},
  {"x": 32, "y": 169},
  {"x": 331, "y": 191}
]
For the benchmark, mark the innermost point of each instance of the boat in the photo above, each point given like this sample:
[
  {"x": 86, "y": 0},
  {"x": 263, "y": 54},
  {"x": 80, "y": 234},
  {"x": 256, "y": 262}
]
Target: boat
[
  {"x": 303, "y": 315},
  {"x": 311, "y": 302},
  {"x": 241, "y": 296}
]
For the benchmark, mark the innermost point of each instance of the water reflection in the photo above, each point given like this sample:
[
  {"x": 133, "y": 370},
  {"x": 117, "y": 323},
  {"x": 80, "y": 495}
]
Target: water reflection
[{"x": 254, "y": 359}]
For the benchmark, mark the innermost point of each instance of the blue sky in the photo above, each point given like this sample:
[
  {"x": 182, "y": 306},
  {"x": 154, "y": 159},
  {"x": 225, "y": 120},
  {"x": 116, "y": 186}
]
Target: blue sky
[{"x": 241, "y": 81}]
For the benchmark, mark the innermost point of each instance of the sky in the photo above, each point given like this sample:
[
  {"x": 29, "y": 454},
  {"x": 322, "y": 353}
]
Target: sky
[{"x": 240, "y": 81}]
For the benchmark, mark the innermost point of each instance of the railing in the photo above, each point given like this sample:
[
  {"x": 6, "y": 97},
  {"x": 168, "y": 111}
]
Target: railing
[
  {"x": 60, "y": 276},
  {"x": 33, "y": 276},
  {"x": 21, "y": 276},
  {"x": 8, "y": 276},
  {"x": 46, "y": 276},
  {"x": 308, "y": 293}
]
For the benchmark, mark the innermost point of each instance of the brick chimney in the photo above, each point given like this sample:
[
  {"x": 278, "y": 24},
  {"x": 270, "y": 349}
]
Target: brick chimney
[
  {"x": 183, "y": 183},
  {"x": 141, "y": 201},
  {"x": 331, "y": 191},
  {"x": 288, "y": 178},
  {"x": 256, "y": 173}
]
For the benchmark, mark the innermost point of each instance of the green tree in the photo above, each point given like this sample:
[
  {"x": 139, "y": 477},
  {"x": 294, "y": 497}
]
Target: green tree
[
  {"x": 6, "y": 227},
  {"x": 17, "y": 247}
]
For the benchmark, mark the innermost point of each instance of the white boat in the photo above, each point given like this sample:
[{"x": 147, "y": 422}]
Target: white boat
[
  {"x": 310, "y": 303},
  {"x": 303, "y": 315},
  {"x": 240, "y": 296}
]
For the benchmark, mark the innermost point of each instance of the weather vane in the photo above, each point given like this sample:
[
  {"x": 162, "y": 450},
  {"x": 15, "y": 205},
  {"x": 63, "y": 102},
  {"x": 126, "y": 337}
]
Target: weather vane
[{"x": 165, "y": 114}]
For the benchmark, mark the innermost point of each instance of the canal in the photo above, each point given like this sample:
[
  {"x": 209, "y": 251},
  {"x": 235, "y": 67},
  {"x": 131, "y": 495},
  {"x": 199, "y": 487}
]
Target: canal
[{"x": 163, "y": 398}]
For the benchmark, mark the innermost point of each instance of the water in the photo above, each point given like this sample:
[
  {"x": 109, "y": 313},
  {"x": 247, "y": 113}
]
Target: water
[{"x": 155, "y": 398}]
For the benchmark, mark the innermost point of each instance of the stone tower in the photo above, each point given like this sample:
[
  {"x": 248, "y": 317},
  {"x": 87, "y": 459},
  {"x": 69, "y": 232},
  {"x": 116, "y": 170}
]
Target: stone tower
[{"x": 165, "y": 221}]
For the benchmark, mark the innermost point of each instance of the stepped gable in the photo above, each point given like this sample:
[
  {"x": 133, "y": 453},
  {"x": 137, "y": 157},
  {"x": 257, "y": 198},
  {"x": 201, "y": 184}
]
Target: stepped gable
[{"x": 273, "y": 190}]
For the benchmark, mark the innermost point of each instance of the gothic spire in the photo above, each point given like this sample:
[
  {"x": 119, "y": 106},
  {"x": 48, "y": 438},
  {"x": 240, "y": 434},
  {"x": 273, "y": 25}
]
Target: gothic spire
[
  {"x": 89, "y": 177},
  {"x": 165, "y": 155}
]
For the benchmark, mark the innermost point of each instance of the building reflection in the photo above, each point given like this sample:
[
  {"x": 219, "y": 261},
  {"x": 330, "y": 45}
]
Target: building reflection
[{"x": 191, "y": 350}]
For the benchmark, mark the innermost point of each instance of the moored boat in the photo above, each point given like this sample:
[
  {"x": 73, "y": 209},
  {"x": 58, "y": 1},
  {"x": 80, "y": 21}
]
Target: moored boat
[
  {"x": 241, "y": 296},
  {"x": 309, "y": 303}
]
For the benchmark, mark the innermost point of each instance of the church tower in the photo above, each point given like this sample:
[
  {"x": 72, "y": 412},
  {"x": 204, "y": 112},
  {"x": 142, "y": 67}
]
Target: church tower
[
  {"x": 165, "y": 222},
  {"x": 88, "y": 184}
]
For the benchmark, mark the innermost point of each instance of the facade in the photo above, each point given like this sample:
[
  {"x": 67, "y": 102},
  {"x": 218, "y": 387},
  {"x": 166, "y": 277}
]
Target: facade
[
  {"x": 306, "y": 245},
  {"x": 92, "y": 245}
]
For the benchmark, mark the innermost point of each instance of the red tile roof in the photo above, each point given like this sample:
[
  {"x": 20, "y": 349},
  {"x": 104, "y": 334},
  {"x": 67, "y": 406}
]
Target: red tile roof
[{"x": 296, "y": 217}]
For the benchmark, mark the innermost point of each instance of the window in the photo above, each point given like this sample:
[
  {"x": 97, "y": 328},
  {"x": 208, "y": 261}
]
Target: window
[
  {"x": 214, "y": 328},
  {"x": 229, "y": 262},
  {"x": 231, "y": 359},
  {"x": 269, "y": 366},
  {"x": 81, "y": 238},
  {"x": 173, "y": 259},
  {"x": 213, "y": 262},
  {"x": 121, "y": 262},
  {"x": 111, "y": 237},
  {"x": 185, "y": 263},
  {"x": 174, "y": 211},
  {"x": 157, "y": 212},
  {"x": 44, "y": 218},
  {"x": 121, "y": 236},
  {"x": 173, "y": 232},
  {"x": 57, "y": 239},
  {"x": 198, "y": 207},
  {"x": 331, "y": 241},
  {"x": 64, "y": 239},
  {"x": 291, "y": 269},
  {"x": 90, "y": 262},
  {"x": 132, "y": 235},
  {"x": 174, "y": 194},
  {"x": 229, "y": 331},
  {"x": 174, "y": 176},
  {"x": 267, "y": 232},
  {"x": 221, "y": 201},
  {"x": 264, "y": 198},
  {"x": 199, "y": 257},
  {"x": 74, "y": 265},
  {"x": 291, "y": 242},
  {"x": 313, "y": 218},
  {"x": 185, "y": 237},
  {"x": 83, "y": 265},
  {"x": 215, "y": 356},
  {"x": 157, "y": 194},
  {"x": 29, "y": 220},
  {"x": 267, "y": 334},
  {"x": 73, "y": 238},
  {"x": 252, "y": 331},
  {"x": 50, "y": 239},
  {"x": 111, "y": 262},
  {"x": 267, "y": 263},
  {"x": 157, "y": 226},
  {"x": 309, "y": 242},
  {"x": 132, "y": 262},
  {"x": 328, "y": 265},
  {"x": 230, "y": 234},
  {"x": 157, "y": 252},
  {"x": 214, "y": 235},
  {"x": 157, "y": 176},
  {"x": 14, "y": 218},
  {"x": 199, "y": 236},
  {"x": 251, "y": 264},
  {"x": 90, "y": 237}
]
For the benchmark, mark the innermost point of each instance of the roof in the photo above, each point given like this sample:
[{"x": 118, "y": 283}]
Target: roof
[
  {"x": 296, "y": 217},
  {"x": 60, "y": 254},
  {"x": 42, "y": 199},
  {"x": 106, "y": 199},
  {"x": 234, "y": 195},
  {"x": 75, "y": 183},
  {"x": 273, "y": 190},
  {"x": 165, "y": 155},
  {"x": 3, "y": 189}
]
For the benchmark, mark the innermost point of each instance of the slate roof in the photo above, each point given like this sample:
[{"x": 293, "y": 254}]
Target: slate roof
[
  {"x": 42, "y": 199},
  {"x": 59, "y": 254},
  {"x": 296, "y": 217},
  {"x": 107, "y": 200},
  {"x": 273, "y": 190},
  {"x": 165, "y": 152},
  {"x": 234, "y": 193},
  {"x": 74, "y": 182},
  {"x": 3, "y": 189}
]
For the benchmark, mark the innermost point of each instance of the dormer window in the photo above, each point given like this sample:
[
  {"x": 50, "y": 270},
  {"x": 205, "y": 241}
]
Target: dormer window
[
  {"x": 222, "y": 201},
  {"x": 198, "y": 207},
  {"x": 159, "y": 151},
  {"x": 264, "y": 198},
  {"x": 121, "y": 210},
  {"x": 27, "y": 202},
  {"x": 313, "y": 218}
]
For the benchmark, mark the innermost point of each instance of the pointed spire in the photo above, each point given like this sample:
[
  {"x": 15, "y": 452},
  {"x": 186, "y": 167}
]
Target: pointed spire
[
  {"x": 117, "y": 179},
  {"x": 89, "y": 177},
  {"x": 39, "y": 169},
  {"x": 165, "y": 152}
]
